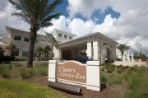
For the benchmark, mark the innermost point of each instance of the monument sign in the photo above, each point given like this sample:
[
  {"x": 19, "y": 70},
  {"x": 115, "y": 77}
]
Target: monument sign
[{"x": 76, "y": 73}]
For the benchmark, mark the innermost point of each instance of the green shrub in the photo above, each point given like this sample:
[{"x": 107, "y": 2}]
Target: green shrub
[
  {"x": 41, "y": 64},
  {"x": 26, "y": 74},
  {"x": 6, "y": 74},
  {"x": 18, "y": 58},
  {"x": 41, "y": 68},
  {"x": 5, "y": 70},
  {"x": 121, "y": 68},
  {"x": 17, "y": 65},
  {"x": 119, "y": 59},
  {"x": 110, "y": 68},
  {"x": 133, "y": 80},
  {"x": 43, "y": 71},
  {"x": 138, "y": 86},
  {"x": 104, "y": 78},
  {"x": 36, "y": 70}
]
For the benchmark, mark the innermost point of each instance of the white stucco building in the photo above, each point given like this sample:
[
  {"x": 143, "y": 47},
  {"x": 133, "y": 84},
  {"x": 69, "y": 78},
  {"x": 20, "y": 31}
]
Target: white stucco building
[
  {"x": 96, "y": 45},
  {"x": 21, "y": 39},
  {"x": 62, "y": 36}
]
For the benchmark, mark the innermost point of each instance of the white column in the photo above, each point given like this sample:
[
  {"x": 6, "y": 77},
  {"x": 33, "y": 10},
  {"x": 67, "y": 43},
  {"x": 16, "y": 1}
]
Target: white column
[
  {"x": 132, "y": 58},
  {"x": 100, "y": 52},
  {"x": 52, "y": 70},
  {"x": 123, "y": 58},
  {"x": 57, "y": 53},
  {"x": 20, "y": 53},
  {"x": 93, "y": 75},
  {"x": 89, "y": 50},
  {"x": 128, "y": 56},
  {"x": 95, "y": 50}
]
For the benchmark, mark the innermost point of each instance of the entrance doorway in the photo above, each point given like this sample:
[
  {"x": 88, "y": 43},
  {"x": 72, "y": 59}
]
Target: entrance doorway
[{"x": 108, "y": 55}]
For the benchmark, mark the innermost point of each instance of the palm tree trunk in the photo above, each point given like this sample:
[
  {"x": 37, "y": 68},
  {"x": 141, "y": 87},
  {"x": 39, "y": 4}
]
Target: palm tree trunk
[{"x": 33, "y": 35}]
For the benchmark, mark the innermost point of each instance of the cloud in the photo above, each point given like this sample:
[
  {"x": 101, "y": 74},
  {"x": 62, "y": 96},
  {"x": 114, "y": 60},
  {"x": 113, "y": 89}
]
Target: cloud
[
  {"x": 76, "y": 26},
  {"x": 130, "y": 27},
  {"x": 6, "y": 18},
  {"x": 86, "y": 7},
  {"x": 3, "y": 4}
]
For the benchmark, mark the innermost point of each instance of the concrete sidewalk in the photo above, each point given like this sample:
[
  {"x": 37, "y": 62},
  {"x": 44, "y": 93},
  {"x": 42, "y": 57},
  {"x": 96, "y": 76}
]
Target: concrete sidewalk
[{"x": 135, "y": 63}]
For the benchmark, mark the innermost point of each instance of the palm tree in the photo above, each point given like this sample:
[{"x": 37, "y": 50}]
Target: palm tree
[
  {"x": 46, "y": 51},
  {"x": 53, "y": 40},
  {"x": 122, "y": 48},
  {"x": 38, "y": 14},
  {"x": 40, "y": 50}
]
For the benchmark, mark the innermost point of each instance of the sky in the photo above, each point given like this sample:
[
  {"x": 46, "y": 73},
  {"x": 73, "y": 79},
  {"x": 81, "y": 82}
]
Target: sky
[{"x": 125, "y": 21}]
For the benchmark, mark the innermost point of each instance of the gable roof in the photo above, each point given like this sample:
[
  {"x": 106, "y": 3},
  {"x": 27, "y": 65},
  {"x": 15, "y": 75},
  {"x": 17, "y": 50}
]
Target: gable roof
[{"x": 97, "y": 34}]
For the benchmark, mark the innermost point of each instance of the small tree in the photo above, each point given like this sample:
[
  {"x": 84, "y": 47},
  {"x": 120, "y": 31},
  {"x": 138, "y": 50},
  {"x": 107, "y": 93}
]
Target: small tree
[
  {"x": 46, "y": 51},
  {"x": 122, "y": 48}
]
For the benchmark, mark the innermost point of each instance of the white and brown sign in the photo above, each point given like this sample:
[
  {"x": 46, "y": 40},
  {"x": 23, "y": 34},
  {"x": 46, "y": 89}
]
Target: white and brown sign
[
  {"x": 72, "y": 71},
  {"x": 76, "y": 73}
]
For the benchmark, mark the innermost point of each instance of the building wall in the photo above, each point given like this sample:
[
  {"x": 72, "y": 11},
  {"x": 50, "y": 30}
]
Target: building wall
[{"x": 23, "y": 42}]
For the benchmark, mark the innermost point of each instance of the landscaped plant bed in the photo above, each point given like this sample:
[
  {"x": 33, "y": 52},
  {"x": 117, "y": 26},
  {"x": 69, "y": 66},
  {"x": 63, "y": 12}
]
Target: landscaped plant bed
[
  {"x": 125, "y": 84},
  {"x": 18, "y": 70}
]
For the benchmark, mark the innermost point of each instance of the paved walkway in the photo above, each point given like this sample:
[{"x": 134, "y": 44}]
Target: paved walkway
[{"x": 136, "y": 63}]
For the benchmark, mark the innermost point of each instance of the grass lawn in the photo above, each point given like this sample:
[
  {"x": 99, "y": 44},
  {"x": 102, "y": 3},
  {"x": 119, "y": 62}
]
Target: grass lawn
[{"x": 22, "y": 89}]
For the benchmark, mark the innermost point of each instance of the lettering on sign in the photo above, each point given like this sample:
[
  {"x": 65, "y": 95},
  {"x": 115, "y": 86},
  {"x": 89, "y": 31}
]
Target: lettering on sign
[{"x": 72, "y": 71}]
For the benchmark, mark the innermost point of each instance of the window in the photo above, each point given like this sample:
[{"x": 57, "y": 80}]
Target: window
[
  {"x": 25, "y": 53},
  {"x": 70, "y": 37},
  {"x": 59, "y": 35},
  {"x": 26, "y": 39},
  {"x": 17, "y": 37},
  {"x": 15, "y": 52},
  {"x": 65, "y": 36}
]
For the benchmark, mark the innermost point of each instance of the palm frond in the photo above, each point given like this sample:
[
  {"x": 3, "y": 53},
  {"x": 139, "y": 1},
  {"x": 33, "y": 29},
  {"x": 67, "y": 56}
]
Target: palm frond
[
  {"x": 54, "y": 41},
  {"x": 38, "y": 13},
  {"x": 48, "y": 19}
]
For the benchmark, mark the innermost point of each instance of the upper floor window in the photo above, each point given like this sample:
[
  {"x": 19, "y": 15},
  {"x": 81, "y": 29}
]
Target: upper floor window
[
  {"x": 59, "y": 35},
  {"x": 65, "y": 36},
  {"x": 26, "y": 39},
  {"x": 17, "y": 37}
]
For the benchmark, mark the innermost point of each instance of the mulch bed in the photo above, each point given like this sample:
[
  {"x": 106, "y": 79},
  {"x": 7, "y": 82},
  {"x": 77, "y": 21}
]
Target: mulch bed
[{"x": 109, "y": 92}]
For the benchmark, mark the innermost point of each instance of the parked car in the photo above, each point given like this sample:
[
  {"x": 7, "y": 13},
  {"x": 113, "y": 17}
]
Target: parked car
[
  {"x": 81, "y": 58},
  {"x": 6, "y": 59}
]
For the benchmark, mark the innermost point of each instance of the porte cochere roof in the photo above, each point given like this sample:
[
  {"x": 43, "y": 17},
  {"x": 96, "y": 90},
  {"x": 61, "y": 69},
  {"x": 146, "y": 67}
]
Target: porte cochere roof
[{"x": 88, "y": 38}]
